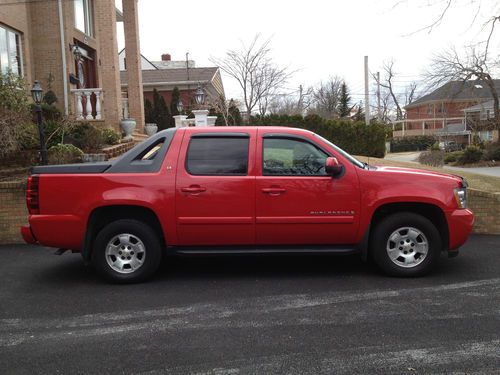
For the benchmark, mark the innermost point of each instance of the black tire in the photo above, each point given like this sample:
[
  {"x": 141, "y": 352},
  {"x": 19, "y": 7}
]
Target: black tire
[
  {"x": 142, "y": 238},
  {"x": 418, "y": 264}
]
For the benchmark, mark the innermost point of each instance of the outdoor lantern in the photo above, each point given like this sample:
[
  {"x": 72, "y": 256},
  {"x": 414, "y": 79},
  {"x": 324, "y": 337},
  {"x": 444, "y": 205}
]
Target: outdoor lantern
[
  {"x": 180, "y": 106},
  {"x": 37, "y": 95},
  {"x": 199, "y": 95},
  {"x": 37, "y": 92},
  {"x": 77, "y": 53}
]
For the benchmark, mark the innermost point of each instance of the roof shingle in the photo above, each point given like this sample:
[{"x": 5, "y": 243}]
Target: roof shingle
[
  {"x": 458, "y": 90},
  {"x": 173, "y": 75}
]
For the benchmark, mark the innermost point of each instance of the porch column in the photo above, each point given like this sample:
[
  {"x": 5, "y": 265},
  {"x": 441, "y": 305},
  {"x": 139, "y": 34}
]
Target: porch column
[
  {"x": 109, "y": 70},
  {"x": 133, "y": 55}
]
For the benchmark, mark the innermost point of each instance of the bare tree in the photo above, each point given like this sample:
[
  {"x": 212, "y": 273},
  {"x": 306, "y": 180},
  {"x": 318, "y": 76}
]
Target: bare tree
[
  {"x": 386, "y": 114},
  {"x": 443, "y": 7},
  {"x": 388, "y": 84},
  {"x": 410, "y": 93},
  {"x": 256, "y": 73},
  {"x": 223, "y": 107},
  {"x": 391, "y": 96},
  {"x": 326, "y": 98},
  {"x": 472, "y": 66},
  {"x": 296, "y": 103}
]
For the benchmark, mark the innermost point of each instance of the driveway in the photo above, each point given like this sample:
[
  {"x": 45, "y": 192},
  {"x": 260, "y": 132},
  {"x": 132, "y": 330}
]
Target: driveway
[
  {"x": 487, "y": 171},
  {"x": 407, "y": 157},
  {"x": 250, "y": 315},
  {"x": 411, "y": 157}
]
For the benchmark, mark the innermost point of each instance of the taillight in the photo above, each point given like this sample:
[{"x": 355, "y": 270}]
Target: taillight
[{"x": 32, "y": 197}]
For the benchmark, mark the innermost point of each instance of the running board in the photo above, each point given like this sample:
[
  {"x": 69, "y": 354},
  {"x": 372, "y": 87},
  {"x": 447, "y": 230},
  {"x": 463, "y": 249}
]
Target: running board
[{"x": 270, "y": 250}]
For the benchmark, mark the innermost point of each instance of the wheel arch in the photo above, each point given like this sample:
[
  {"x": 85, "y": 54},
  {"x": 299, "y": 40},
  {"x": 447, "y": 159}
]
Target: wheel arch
[
  {"x": 103, "y": 215},
  {"x": 428, "y": 210}
]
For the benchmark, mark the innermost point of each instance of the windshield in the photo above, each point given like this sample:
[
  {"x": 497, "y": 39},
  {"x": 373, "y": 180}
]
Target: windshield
[{"x": 352, "y": 159}]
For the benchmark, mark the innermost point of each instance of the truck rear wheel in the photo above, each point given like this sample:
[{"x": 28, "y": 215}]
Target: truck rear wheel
[
  {"x": 126, "y": 251},
  {"x": 406, "y": 244}
]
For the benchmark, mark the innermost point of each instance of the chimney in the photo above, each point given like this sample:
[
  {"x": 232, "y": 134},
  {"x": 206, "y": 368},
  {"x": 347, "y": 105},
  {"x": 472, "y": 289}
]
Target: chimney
[{"x": 166, "y": 57}]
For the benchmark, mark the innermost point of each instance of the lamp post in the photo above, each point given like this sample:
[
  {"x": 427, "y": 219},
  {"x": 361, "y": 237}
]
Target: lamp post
[
  {"x": 200, "y": 114},
  {"x": 37, "y": 95},
  {"x": 180, "y": 118},
  {"x": 199, "y": 96},
  {"x": 180, "y": 106}
]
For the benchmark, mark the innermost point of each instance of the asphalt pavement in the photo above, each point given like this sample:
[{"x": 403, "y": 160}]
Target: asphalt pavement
[{"x": 251, "y": 315}]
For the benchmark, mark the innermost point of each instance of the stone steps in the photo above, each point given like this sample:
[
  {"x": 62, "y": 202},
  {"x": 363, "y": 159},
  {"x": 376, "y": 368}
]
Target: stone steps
[
  {"x": 119, "y": 149},
  {"x": 139, "y": 137},
  {"x": 116, "y": 150}
]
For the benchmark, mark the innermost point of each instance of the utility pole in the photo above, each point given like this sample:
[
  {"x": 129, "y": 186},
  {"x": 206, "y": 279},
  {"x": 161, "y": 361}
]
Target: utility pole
[
  {"x": 379, "y": 108},
  {"x": 189, "y": 88},
  {"x": 367, "y": 98},
  {"x": 300, "y": 104}
]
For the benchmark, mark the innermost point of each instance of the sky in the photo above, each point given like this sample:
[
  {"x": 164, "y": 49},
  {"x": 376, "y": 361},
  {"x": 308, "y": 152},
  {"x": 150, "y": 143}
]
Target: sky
[{"x": 317, "y": 39}]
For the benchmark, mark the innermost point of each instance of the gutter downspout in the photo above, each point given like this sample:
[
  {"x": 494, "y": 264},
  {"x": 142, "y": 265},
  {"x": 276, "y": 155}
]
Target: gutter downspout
[{"x": 63, "y": 55}]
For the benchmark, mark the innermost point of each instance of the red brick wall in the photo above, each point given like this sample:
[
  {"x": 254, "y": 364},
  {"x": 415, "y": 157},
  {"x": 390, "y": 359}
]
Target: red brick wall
[
  {"x": 13, "y": 212},
  {"x": 450, "y": 109},
  {"x": 167, "y": 95}
]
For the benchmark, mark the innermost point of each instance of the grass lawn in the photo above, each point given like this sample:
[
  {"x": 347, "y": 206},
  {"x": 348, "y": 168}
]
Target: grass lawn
[{"x": 476, "y": 181}]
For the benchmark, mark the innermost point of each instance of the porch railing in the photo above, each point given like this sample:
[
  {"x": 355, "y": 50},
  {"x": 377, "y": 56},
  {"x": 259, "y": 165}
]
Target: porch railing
[{"x": 88, "y": 103}]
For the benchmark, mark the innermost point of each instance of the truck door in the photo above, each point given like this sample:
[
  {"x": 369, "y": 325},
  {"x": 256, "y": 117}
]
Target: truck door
[
  {"x": 215, "y": 188},
  {"x": 296, "y": 202}
]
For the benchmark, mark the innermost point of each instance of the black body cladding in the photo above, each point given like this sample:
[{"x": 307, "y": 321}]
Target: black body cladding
[{"x": 130, "y": 162}]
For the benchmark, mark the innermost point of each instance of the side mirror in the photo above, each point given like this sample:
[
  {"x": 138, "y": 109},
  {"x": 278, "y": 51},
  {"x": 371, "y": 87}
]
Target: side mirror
[{"x": 333, "y": 167}]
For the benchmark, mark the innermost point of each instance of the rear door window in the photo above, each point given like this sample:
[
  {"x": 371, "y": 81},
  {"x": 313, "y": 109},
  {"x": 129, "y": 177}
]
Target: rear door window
[{"x": 218, "y": 156}]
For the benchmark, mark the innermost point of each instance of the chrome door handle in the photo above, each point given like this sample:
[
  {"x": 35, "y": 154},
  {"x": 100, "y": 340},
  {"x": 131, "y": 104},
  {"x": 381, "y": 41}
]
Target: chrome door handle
[
  {"x": 193, "y": 189},
  {"x": 273, "y": 190}
]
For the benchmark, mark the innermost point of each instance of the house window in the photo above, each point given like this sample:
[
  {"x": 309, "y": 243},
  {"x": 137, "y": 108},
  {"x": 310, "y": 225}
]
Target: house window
[
  {"x": 10, "y": 51},
  {"x": 486, "y": 135},
  {"x": 83, "y": 16}
]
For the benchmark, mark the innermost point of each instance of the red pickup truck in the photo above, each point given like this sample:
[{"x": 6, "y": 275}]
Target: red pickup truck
[{"x": 244, "y": 190}]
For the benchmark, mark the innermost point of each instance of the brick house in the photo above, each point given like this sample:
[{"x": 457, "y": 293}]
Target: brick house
[
  {"x": 166, "y": 74},
  {"x": 479, "y": 119},
  {"x": 442, "y": 111},
  {"x": 75, "y": 43}
]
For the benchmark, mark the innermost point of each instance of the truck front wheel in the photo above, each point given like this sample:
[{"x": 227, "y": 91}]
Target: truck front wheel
[
  {"x": 406, "y": 244},
  {"x": 126, "y": 251}
]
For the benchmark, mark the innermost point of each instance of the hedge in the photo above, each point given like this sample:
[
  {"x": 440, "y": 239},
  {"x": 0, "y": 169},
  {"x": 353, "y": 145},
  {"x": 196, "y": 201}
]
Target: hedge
[
  {"x": 415, "y": 143},
  {"x": 357, "y": 138}
]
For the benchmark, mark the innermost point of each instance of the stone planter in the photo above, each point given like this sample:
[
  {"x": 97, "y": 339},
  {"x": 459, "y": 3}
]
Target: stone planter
[
  {"x": 128, "y": 126},
  {"x": 211, "y": 120},
  {"x": 150, "y": 129},
  {"x": 93, "y": 158}
]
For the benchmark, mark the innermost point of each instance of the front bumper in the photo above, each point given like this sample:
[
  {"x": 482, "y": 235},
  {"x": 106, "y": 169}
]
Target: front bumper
[{"x": 460, "y": 223}]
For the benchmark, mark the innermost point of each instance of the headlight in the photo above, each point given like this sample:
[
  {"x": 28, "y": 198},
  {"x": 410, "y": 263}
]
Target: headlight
[{"x": 461, "y": 197}]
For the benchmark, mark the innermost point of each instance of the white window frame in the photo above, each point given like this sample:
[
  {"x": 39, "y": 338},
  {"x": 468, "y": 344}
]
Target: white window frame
[
  {"x": 19, "y": 47},
  {"x": 87, "y": 17},
  {"x": 486, "y": 135}
]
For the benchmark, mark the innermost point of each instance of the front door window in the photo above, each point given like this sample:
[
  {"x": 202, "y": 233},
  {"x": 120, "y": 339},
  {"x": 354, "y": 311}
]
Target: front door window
[{"x": 291, "y": 157}]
